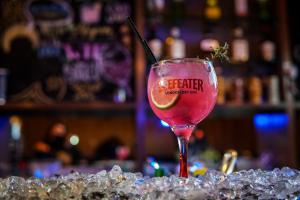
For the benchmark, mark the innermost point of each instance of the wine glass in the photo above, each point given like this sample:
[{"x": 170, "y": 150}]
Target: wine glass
[{"x": 182, "y": 92}]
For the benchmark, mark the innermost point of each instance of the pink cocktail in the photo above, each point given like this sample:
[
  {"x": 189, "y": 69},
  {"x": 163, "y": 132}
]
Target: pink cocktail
[{"x": 182, "y": 92}]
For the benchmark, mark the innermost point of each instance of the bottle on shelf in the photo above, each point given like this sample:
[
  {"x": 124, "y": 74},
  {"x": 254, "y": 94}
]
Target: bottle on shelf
[
  {"x": 268, "y": 50},
  {"x": 126, "y": 36},
  {"x": 240, "y": 47},
  {"x": 155, "y": 43},
  {"x": 120, "y": 95},
  {"x": 15, "y": 143},
  {"x": 221, "y": 86},
  {"x": 156, "y": 6},
  {"x": 238, "y": 91},
  {"x": 209, "y": 42},
  {"x": 273, "y": 90},
  {"x": 255, "y": 90},
  {"x": 175, "y": 46},
  {"x": 241, "y": 8},
  {"x": 212, "y": 10}
]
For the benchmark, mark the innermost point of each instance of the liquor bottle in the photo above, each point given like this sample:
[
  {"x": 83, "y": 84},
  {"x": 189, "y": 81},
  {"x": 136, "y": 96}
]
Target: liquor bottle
[
  {"x": 15, "y": 143},
  {"x": 155, "y": 9},
  {"x": 155, "y": 43},
  {"x": 273, "y": 90},
  {"x": 268, "y": 50},
  {"x": 255, "y": 90},
  {"x": 125, "y": 36},
  {"x": 156, "y": 6},
  {"x": 241, "y": 8},
  {"x": 176, "y": 47},
  {"x": 120, "y": 95},
  {"x": 212, "y": 10},
  {"x": 221, "y": 86},
  {"x": 209, "y": 42},
  {"x": 238, "y": 91},
  {"x": 240, "y": 47}
]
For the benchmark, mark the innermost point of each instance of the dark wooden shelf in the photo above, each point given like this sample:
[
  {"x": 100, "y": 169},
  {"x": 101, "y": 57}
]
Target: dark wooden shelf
[
  {"x": 253, "y": 106},
  {"x": 66, "y": 107},
  {"x": 244, "y": 110}
]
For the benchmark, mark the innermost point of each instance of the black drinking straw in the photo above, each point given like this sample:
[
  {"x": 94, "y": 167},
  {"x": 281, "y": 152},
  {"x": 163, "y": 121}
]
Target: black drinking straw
[{"x": 142, "y": 40}]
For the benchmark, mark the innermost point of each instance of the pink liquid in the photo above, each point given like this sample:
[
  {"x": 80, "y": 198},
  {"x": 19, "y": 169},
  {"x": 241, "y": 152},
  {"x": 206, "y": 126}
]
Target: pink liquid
[{"x": 196, "y": 82}]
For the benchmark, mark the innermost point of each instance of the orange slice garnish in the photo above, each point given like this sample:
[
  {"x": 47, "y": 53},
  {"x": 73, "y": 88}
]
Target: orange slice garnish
[{"x": 161, "y": 97}]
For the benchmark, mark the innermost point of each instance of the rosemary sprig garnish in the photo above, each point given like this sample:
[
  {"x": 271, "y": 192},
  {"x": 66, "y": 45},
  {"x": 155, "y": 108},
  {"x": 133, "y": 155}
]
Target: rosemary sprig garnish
[{"x": 220, "y": 53}]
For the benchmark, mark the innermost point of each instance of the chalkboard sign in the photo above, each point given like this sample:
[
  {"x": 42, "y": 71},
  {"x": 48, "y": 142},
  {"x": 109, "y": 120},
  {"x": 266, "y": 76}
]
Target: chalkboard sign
[{"x": 79, "y": 51}]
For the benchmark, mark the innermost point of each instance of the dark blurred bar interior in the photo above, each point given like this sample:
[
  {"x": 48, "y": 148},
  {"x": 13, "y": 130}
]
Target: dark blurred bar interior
[{"x": 73, "y": 84}]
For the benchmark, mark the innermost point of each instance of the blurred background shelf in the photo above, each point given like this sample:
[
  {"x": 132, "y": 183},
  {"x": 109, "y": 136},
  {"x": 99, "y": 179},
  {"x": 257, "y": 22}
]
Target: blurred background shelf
[
  {"x": 228, "y": 111},
  {"x": 88, "y": 107},
  {"x": 225, "y": 111},
  {"x": 245, "y": 110}
]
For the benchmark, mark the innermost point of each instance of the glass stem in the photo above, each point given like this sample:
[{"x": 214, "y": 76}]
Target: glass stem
[{"x": 183, "y": 148}]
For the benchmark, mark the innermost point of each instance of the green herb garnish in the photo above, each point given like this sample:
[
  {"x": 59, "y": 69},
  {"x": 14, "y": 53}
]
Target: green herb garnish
[{"x": 220, "y": 53}]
